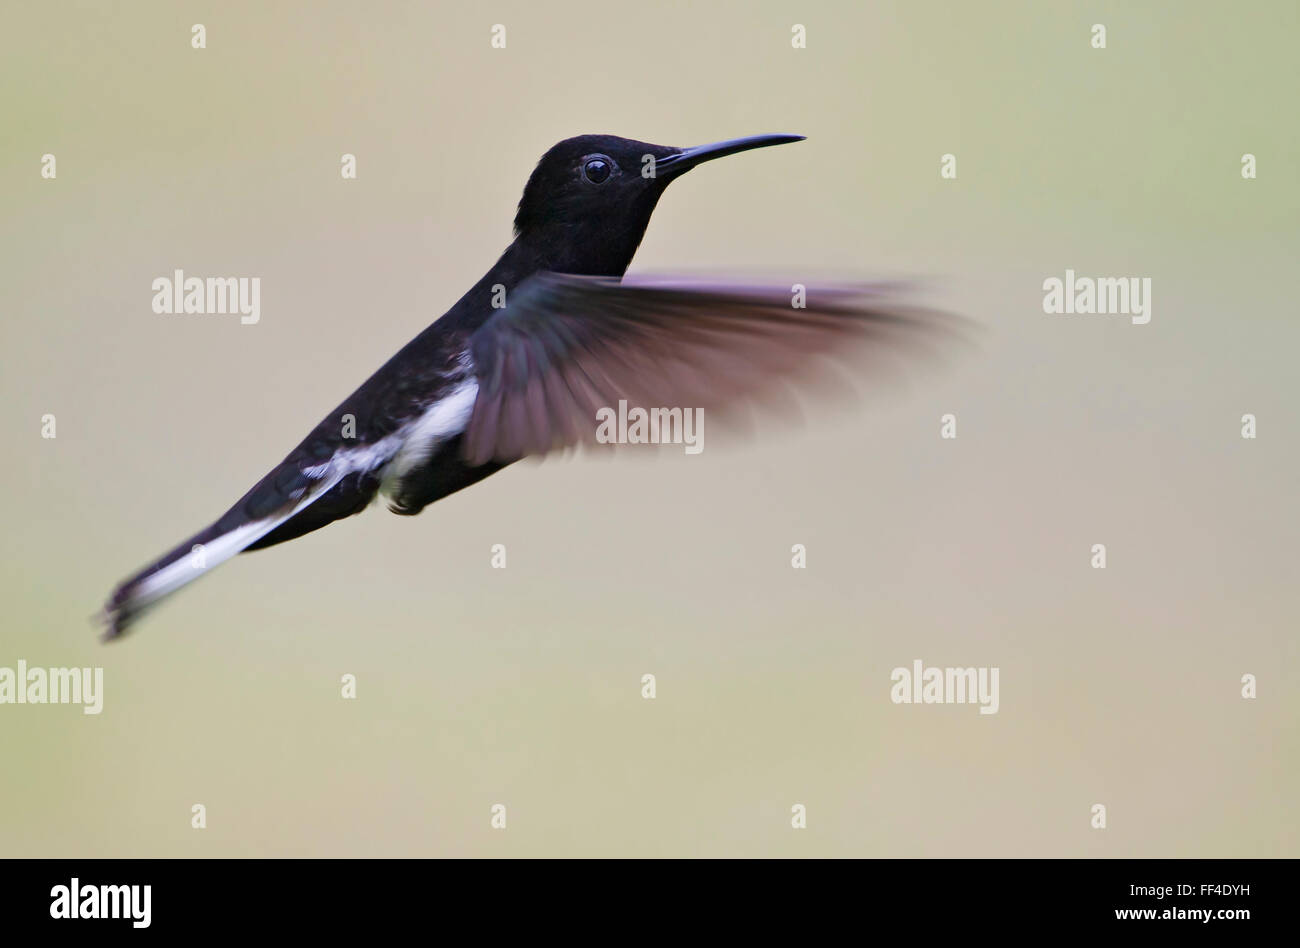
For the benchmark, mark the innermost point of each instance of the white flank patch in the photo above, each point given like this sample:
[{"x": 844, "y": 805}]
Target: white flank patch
[{"x": 444, "y": 419}]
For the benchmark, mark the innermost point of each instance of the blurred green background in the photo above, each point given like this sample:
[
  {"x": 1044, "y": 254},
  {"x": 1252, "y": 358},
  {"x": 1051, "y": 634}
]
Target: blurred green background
[{"x": 522, "y": 686}]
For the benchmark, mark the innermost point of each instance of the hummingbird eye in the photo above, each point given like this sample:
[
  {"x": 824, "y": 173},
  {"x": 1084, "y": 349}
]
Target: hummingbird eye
[{"x": 597, "y": 168}]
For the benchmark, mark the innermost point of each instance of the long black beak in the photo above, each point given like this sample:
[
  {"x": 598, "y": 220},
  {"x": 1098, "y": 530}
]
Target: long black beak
[{"x": 688, "y": 158}]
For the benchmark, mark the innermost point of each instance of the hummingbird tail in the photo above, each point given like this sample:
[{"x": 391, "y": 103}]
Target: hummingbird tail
[{"x": 279, "y": 496}]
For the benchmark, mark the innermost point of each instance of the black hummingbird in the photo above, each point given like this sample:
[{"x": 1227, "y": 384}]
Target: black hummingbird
[{"x": 522, "y": 362}]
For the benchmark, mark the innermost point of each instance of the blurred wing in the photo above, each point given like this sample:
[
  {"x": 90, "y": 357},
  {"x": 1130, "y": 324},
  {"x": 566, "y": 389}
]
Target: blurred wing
[{"x": 565, "y": 346}]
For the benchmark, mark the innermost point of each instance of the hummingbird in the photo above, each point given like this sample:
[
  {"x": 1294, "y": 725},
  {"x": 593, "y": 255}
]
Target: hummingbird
[{"x": 522, "y": 363}]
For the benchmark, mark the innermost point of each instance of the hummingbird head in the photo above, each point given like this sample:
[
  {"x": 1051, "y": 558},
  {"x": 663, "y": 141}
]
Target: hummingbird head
[{"x": 588, "y": 202}]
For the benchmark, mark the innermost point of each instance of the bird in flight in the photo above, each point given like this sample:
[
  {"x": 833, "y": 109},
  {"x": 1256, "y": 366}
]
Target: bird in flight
[{"x": 522, "y": 363}]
